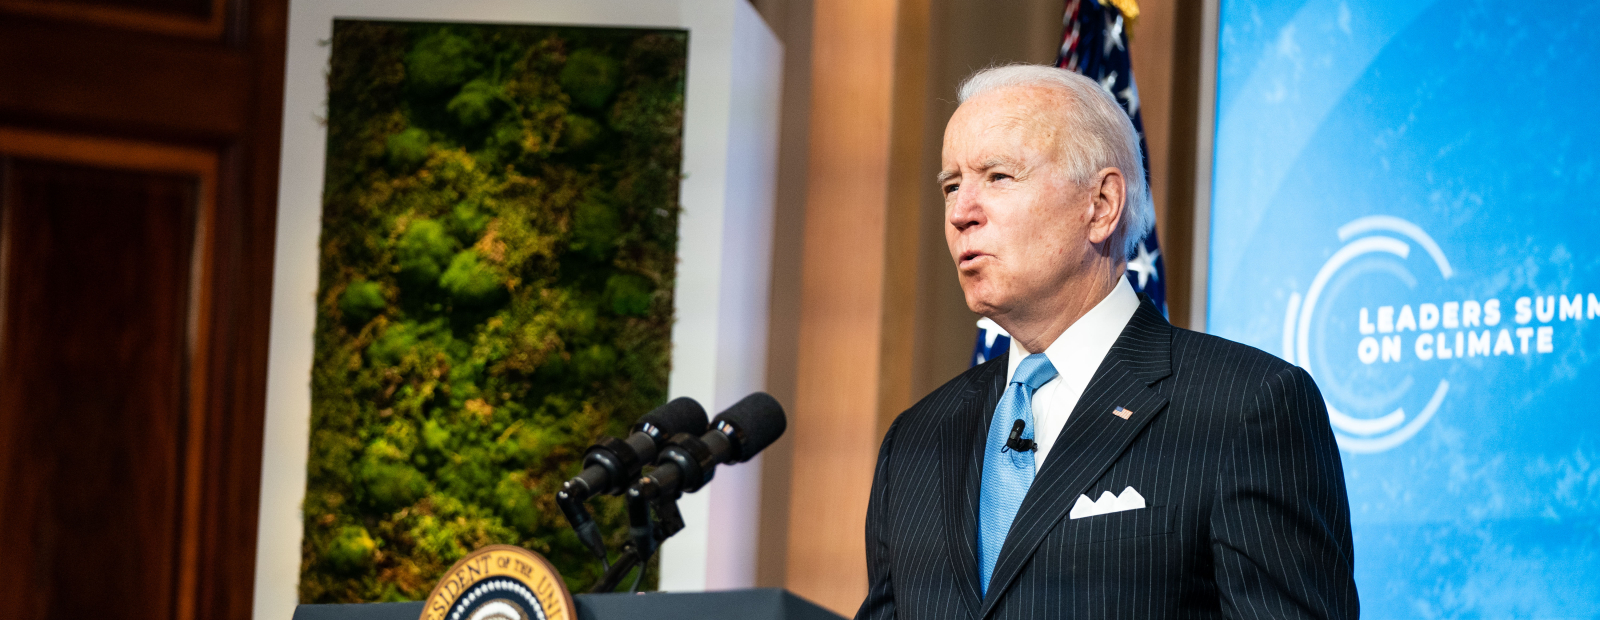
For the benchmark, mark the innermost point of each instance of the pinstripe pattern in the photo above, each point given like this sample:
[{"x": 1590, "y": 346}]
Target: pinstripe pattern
[{"x": 1230, "y": 447}]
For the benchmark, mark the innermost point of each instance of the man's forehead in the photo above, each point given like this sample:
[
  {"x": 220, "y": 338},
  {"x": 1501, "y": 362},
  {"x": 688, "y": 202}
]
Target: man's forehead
[
  {"x": 1021, "y": 106},
  {"x": 1002, "y": 129}
]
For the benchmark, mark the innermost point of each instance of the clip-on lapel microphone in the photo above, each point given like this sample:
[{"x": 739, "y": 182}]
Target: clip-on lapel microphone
[{"x": 1016, "y": 442}]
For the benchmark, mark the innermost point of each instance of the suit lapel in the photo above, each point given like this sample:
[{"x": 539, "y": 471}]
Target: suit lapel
[
  {"x": 961, "y": 460},
  {"x": 1092, "y": 440}
]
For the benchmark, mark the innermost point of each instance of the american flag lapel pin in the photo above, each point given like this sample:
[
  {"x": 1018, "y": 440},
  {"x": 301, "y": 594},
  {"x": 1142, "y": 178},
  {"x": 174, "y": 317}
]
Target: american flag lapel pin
[{"x": 1122, "y": 413}]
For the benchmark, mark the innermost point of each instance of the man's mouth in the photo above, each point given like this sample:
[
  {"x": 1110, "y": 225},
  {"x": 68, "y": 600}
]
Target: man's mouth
[{"x": 969, "y": 256}]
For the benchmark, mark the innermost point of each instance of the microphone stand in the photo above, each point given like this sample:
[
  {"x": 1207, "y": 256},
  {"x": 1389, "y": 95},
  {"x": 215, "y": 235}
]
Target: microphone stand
[
  {"x": 613, "y": 576},
  {"x": 583, "y": 524},
  {"x": 645, "y": 534}
]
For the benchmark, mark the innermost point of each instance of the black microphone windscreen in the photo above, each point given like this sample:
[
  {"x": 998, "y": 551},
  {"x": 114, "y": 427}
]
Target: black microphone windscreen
[
  {"x": 760, "y": 418},
  {"x": 682, "y": 415}
]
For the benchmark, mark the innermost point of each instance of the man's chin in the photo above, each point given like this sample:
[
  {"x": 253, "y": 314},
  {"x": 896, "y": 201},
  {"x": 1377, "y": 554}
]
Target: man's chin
[
  {"x": 983, "y": 294},
  {"x": 984, "y": 305}
]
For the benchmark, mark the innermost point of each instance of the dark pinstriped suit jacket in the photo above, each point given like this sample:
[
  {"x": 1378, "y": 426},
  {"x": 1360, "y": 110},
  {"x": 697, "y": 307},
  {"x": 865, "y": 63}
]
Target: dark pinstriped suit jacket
[{"x": 1247, "y": 515}]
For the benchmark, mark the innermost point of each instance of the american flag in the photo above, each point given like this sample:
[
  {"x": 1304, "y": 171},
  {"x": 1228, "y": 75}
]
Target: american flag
[{"x": 1094, "y": 42}]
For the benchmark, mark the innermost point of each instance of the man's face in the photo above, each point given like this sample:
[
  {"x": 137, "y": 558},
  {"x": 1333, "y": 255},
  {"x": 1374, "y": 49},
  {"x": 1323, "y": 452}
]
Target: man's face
[{"x": 1017, "y": 226}]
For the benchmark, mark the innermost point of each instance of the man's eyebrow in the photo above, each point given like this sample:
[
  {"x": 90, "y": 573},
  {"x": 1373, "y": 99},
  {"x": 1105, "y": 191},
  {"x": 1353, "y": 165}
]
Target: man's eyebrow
[
  {"x": 996, "y": 162},
  {"x": 987, "y": 164}
]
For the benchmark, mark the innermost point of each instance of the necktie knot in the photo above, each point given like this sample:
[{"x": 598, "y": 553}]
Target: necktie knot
[{"x": 1034, "y": 370}]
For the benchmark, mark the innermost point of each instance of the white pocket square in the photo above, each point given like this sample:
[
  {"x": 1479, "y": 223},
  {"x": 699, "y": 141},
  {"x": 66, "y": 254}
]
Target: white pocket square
[{"x": 1108, "y": 503}]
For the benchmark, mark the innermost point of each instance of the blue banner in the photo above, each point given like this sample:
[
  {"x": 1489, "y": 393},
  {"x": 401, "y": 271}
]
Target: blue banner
[{"x": 1406, "y": 202}]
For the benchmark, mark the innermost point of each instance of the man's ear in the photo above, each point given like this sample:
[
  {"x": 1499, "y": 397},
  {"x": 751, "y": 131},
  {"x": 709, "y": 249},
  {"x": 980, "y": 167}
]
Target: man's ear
[{"x": 1108, "y": 194}]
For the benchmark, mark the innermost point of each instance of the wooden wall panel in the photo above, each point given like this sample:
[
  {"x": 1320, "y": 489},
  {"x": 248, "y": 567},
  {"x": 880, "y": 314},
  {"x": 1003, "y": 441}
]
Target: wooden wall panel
[
  {"x": 791, "y": 21},
  {"x": 1151, "y": 46},
  {"x": 94, "y": 391},
  {"x": 844, "y": 279},
  {"x": 106, "y": 254},
  {"x": 159, "y": 92},
  {"x": 1183, "y": 144},
  {"x": 65, "y": 75}
]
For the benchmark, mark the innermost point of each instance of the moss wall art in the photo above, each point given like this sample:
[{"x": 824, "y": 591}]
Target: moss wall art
[{"x": 498, "y": 242}]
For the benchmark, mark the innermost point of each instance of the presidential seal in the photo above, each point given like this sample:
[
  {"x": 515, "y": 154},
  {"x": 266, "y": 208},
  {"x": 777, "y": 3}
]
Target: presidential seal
[{"x": 500, "y": 582}]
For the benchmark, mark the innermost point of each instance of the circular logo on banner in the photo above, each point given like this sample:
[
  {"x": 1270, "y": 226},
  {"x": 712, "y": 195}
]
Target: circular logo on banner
[
  {"x": 1368, "y": 235},
  {"x": 1390, "y": 329},
  {"x": 500, "y": 582}
]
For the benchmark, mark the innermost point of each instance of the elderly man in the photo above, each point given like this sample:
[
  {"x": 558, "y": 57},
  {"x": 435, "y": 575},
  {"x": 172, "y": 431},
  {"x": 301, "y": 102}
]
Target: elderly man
[{"x": 1111, "y": 465}]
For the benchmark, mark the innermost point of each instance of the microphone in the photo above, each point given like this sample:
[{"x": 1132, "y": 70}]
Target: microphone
[
  {"x": 687, "y": 463},
  {"x": 1016, "y": 440},
  {"x": 612, "y": 463}
]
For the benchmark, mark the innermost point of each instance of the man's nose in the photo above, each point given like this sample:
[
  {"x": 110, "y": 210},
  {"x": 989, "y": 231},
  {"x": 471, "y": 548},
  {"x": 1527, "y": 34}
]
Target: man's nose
[{"x": 966, "y": 209}]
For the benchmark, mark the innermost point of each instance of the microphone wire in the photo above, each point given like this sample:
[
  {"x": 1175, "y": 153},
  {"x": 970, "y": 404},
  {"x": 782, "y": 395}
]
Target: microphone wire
[{"x": 634, "y": 589}]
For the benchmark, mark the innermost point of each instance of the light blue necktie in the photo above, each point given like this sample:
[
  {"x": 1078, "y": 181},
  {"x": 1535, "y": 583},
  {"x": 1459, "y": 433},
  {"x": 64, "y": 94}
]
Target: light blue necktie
[{"x": 1008, "y": 474}]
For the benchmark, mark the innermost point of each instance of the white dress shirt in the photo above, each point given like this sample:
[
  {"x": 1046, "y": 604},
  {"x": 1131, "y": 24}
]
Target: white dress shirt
[{"x": 1076, "y": 354}]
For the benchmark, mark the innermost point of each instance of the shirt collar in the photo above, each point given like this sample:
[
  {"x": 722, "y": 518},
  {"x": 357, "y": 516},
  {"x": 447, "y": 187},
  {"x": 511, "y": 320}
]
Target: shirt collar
[{"x": 1079, "y": 350}]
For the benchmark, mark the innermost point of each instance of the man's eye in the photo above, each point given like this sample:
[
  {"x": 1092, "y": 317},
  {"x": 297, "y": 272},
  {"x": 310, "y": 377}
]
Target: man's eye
[
  {"x": 996, "y": 176},
  {"x": 951, "y": 188}
]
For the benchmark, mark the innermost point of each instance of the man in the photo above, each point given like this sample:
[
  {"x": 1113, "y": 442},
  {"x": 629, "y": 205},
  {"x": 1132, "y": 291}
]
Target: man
[{"x": 1111, "y": 465}]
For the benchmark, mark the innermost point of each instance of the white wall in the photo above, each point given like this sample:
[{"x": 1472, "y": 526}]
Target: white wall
[{"x": 724, "y": 249}]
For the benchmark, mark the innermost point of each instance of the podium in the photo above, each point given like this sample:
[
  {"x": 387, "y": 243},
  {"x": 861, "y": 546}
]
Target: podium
[{"x": 758, "y": 604}]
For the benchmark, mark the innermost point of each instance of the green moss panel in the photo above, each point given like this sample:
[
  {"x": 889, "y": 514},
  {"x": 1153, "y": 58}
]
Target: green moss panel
[{"x": 498, "y": 245}]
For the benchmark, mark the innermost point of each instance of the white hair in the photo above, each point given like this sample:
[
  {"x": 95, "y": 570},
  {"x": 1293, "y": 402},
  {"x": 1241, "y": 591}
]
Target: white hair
[{"x": 1098, "y": 135}]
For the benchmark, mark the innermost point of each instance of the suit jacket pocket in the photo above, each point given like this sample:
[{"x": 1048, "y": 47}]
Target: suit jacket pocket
[{"x": 1119, "y": 525}]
